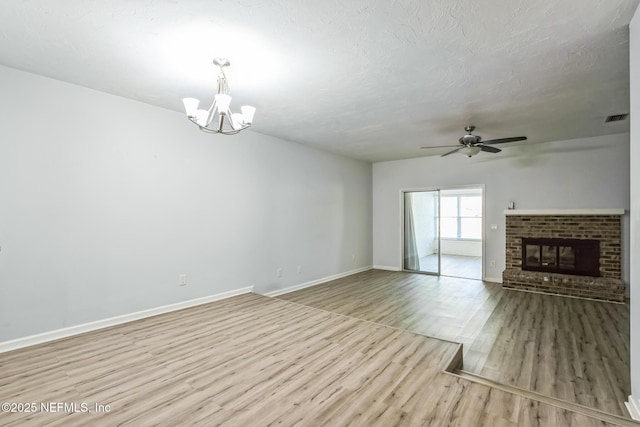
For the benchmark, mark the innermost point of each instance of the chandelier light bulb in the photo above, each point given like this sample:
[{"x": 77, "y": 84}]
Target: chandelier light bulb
[
  {"x": 201, "y": 117},
  {"x": 237, "y": 120},
  {"x": 247, "y": 113},
  {"x": 191, "y": 106}
]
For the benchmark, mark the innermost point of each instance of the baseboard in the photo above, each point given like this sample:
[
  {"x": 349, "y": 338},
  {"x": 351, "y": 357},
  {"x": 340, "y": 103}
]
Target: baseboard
[
  {"x": 315, "y": 282},
  {"x": 492, "y": 279},
  {"x": 633, "y": 406},
  {"x": 113, "y": 321},
  {"x": 385, "y": 267}
]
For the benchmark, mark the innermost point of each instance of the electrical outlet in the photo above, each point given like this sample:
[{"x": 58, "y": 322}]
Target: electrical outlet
[
  {"x": 182, "y": 279},
  {"x": 279, "y": 272},
  {"x": 353, "y": 257},
  {"x": 492, "y": 264},
  {"x": 299, "y": 269}
]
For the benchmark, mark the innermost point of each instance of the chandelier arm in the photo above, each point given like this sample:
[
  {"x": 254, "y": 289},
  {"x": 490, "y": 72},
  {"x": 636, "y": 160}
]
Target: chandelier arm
[
  {"x": 223, "y": 85},
  {"x": 212, "y": 131},
  {"x": 202, "y": 128},
  {"x": 229, "y": 132},
  {"x": 223, "y": 132},
  {"x": 241, "y": 125},
  {"x": 231, "y": 122},
  {"x": 207, "y": 130},
  {"x": 211, "y": 112}
]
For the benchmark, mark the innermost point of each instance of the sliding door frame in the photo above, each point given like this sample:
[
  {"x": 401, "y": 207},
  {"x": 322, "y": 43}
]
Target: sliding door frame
[
  {"x": 402, "y": 234},
  {"x": 439, "y": 189}
]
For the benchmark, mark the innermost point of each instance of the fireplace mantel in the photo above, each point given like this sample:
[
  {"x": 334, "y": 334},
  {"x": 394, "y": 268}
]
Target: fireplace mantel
[{"x": 560, "y": 212}]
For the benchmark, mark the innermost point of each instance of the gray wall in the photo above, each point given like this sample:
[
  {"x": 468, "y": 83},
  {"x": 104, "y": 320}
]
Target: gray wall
[
  {"x": 635, "y": 207},
  {"x": 104, "y": 201},
  {"x": 580, "y": 173}
]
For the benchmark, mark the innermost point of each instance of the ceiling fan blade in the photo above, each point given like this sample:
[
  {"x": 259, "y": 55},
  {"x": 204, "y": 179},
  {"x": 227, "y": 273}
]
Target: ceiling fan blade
[
  {"x": 503, "y": 140},
  {"x": 451, "y": 152},
  {"x": 439, "y": 146},
  {"x": 489, "y": 149}
]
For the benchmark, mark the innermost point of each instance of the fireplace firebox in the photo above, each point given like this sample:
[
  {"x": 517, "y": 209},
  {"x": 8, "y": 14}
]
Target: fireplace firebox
[{"x": 567, "y": 256}]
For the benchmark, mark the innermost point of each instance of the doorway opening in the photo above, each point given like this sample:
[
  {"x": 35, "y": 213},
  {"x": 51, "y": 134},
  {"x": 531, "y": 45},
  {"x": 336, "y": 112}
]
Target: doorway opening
[{"x": 443, "y": 231}]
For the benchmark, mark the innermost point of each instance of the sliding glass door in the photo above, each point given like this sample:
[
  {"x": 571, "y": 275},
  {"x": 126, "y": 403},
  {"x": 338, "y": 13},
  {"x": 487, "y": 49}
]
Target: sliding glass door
[
  {"x": 422, "y": 231},
  {"x": 443, "y": 232}
]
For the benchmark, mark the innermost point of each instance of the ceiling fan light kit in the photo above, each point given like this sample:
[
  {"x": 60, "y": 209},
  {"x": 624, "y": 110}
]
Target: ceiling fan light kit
[
  {"x": 219, "y": 118},
  {"x": 470, "y": 144},
  {"x": 469, "y": 151}
]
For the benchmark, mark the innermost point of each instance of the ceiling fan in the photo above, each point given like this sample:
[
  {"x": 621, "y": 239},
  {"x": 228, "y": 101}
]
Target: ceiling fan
[{"x": 470, "y": 144}]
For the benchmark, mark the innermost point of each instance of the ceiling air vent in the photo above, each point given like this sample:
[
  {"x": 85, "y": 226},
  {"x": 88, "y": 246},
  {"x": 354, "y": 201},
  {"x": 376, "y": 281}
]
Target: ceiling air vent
[{"x": 616, "y": 118}]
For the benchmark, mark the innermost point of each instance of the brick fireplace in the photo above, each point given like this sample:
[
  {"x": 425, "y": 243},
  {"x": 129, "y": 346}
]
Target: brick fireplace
[{"x": 603, "y": 225}]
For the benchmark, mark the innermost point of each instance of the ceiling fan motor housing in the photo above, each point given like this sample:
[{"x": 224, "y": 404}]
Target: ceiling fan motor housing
[{"x": 469, "y": 139}]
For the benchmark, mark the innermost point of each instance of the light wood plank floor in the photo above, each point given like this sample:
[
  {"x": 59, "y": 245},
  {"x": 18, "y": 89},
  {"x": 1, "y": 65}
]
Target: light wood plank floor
[
  {"x": 576, "y": 350},
  {"x": 257, "y": 361},
  {"x": 468, "y": 267}
]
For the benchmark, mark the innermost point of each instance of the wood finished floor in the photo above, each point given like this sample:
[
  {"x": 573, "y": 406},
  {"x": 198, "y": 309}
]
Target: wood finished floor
[
  {"x": 573, "y": 349},
  {"x": 257, "y": 361},
  {"x": 469, "y": 267}
]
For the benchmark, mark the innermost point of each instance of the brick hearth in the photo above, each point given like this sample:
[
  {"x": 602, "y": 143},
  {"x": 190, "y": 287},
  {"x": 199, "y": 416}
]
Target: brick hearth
[{"x": 606, "y": 228}]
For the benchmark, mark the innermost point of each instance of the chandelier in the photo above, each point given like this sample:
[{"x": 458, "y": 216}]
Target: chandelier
[{"x": 218, "y": 118}]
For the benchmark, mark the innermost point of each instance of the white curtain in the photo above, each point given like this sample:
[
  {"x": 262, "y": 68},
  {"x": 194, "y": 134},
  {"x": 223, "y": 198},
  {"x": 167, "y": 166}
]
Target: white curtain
[{"x": 411, "y": 258}]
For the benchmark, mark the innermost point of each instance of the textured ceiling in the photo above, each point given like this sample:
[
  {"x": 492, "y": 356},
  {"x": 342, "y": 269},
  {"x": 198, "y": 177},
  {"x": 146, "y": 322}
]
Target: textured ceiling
[{"x": 373, "y": 80}]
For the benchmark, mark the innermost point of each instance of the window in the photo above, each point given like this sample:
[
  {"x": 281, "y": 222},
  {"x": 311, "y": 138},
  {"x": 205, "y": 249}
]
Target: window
[{"x": 461, "y": 217}]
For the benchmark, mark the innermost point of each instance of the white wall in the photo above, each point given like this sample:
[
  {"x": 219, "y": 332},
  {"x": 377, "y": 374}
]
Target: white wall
[
  {"x": 580, "y": 173},
  {"x": 461, "y": 247},
  {"x": 104, "y": 201},
  {"x": 635, "y": 210}
]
